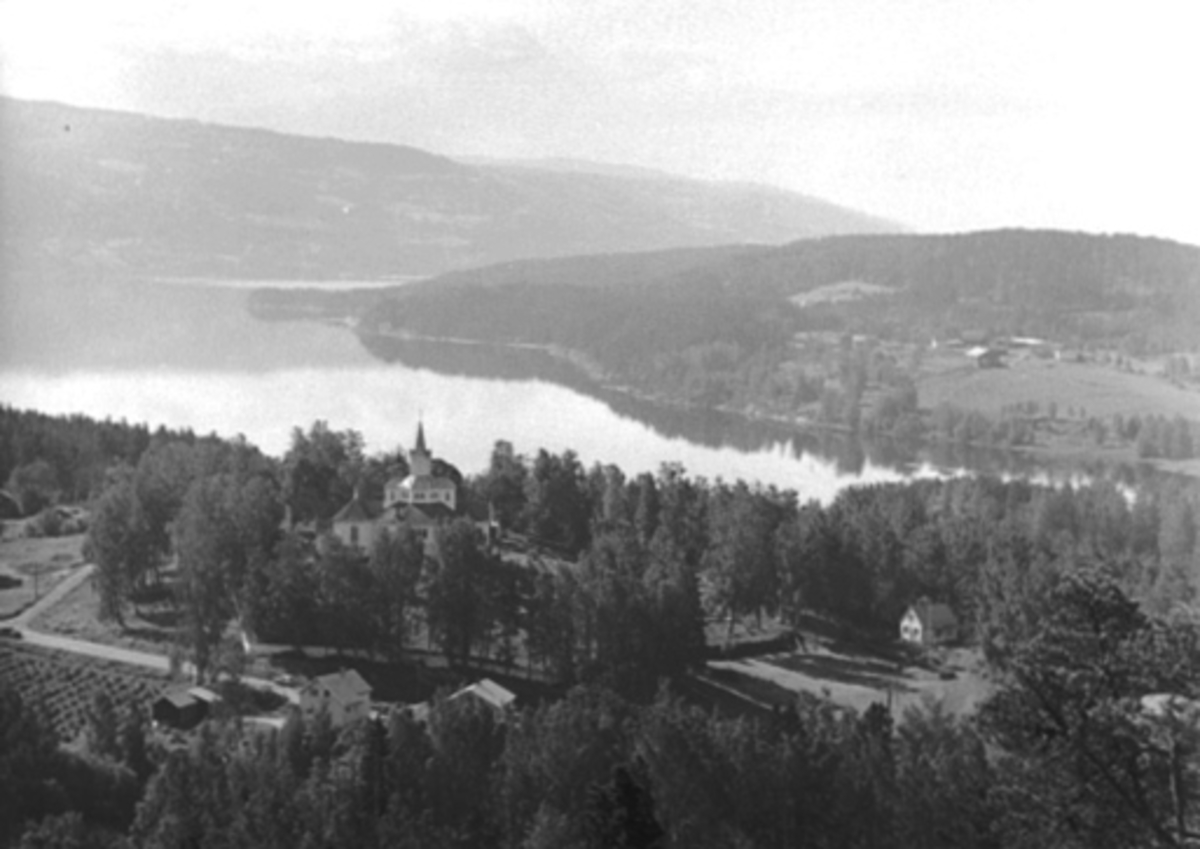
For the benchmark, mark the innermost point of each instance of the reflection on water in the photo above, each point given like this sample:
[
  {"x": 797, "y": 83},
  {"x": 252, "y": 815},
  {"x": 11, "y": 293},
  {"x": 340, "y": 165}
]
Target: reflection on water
[
  {"x": 195, "y": 358},
  {"x": 849, "y": 455}
]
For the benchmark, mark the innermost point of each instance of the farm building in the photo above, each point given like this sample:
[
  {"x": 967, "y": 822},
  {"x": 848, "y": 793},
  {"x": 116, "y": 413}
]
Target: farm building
[
  {"x": 928, "y": 624},
  {"x": 489, "y": 693},
  {"x": 184, "y": 708},
  {"x": 988, "y": 357},
  {"x": 344, "y": 695}
]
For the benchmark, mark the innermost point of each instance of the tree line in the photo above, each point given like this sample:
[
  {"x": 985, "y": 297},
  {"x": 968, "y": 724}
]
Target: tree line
[{"x": 612, "y": 575}]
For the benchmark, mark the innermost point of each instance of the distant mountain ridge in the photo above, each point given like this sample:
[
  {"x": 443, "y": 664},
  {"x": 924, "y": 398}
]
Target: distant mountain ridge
[{"x": 155, "y": 196}]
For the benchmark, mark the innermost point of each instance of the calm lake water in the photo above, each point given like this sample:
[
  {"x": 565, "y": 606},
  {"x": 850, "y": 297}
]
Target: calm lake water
[{"x": 193, "y": 357}]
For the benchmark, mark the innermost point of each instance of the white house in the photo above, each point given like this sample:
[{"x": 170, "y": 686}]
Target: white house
[
  {"x": 344, "y": 695},
  {"x": 357, "y": 524},
  {"x": 928, "y": 624}
]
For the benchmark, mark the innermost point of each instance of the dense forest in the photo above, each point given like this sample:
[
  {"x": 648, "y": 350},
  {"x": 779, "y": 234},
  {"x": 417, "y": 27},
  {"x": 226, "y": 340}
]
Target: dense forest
[
  {"x": 47, "y": 458},
  {"x": 1081, "y": 598},
  {"x": 1090, "y": 743}
]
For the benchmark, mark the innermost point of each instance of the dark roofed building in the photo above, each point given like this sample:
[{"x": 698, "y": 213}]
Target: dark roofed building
[
  {"x": 184, "y": 708},
  {"x": 926, "y": 623}
]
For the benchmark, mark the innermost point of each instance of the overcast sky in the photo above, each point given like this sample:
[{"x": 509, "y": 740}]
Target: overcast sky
[{"x": 943, "y": 114}]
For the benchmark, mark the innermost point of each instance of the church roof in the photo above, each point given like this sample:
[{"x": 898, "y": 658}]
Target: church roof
[
  {"x": 421, "y": 438},
  {"x": 425, "y": 482},
  {"x": 424, "y": 514}
]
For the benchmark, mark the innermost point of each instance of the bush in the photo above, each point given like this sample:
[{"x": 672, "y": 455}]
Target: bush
[{"x": 48, "y": 523}]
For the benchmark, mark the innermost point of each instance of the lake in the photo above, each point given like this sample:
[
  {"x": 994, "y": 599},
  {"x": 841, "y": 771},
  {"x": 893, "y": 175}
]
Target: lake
[{"x": 192, "y": 356}]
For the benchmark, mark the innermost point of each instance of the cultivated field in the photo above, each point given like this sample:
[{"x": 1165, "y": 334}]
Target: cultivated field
[
  {"x": 1099, "y": 390},
  {"x": 65, "y": 683},
  {"x": 31, "y": 567}
]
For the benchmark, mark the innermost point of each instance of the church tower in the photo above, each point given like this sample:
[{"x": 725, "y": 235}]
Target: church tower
[{"x": 420, "y": 461}]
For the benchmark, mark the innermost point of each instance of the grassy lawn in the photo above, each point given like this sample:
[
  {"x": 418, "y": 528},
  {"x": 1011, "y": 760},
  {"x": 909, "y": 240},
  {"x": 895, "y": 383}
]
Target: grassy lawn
[
  {"x": 31, "y": 567},
  {"x": 856, "y": 677},
  {"x": 148, "y": 627}
]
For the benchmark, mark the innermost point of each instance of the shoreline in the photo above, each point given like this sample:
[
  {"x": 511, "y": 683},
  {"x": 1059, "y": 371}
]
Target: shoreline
[{"x": 1067, "y": 453}]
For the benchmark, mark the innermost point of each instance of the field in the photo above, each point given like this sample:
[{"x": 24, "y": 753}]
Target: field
[
  {"x": 148, "y": 627},
  {"x": 1098, "y": 390},
  {"x": 854, "y": 676},
  {"x": 65, "y": 683},
  {"x": 31, "y": 567}
]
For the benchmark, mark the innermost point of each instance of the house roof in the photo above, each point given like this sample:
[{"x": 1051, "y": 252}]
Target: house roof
[
  {"x": 204, "y": 694},
  {"x": 489, "y": 692},
  {"x": 344, "y": 686},
  {"x": 358, "y": 509},
  {"x": 178, "y": 698},
  {"x": 934, "y": 615},
  {"x": 424, "y": 514},
  {"x": 417, "y": 483}
]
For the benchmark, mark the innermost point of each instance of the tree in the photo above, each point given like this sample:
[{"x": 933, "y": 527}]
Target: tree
[
  {"x": 1081, "y": 761},
  {"x": 227, "y": 530},
  {"x": 455, "y": 606},
  {"x": 120, "y": 543},
  {"x": 558, "y": 510},
  {"x": 320, "y": 470},
  {"x": 28, "y": 763},
  {"x": 395, "y": 568},
  {"x": 34, "y": 485},
  {"x": 103, "y": 728},
  {"x": 503, "y": 485}
]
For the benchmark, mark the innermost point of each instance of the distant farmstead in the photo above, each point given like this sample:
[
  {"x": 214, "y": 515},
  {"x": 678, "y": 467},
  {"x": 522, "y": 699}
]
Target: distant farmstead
[
  {"x": 988, "y": 357},
  {"x": 927, "y": 624}
]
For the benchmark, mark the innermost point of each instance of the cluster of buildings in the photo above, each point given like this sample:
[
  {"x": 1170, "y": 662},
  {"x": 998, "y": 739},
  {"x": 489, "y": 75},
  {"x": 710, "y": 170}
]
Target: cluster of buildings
[{"x": 421, "y": 501}]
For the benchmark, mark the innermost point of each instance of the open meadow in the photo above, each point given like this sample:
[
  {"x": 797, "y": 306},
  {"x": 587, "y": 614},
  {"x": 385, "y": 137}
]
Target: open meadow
[
  {"x": 148, "y": 627},
  {"x": 32, "y": 566},
  {"x": 1088, "y": 389}
]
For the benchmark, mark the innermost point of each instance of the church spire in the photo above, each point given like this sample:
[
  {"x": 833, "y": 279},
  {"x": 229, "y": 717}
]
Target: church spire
[{"x": 421, "y": 437}]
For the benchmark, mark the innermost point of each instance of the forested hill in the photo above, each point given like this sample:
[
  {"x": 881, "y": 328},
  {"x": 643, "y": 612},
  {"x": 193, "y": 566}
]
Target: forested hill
[
  {"x": 727, "y": 327},
  {"x": 1076, "y": 287},
  {"x": 146, "y": 195}
]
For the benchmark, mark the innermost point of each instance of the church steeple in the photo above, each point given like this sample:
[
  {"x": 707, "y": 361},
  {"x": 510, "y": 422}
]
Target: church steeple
[{"x": 420, "y": 461}]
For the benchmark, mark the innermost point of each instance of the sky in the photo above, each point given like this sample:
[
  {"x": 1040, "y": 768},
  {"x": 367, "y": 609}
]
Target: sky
[{"x": 945, "y": 115}]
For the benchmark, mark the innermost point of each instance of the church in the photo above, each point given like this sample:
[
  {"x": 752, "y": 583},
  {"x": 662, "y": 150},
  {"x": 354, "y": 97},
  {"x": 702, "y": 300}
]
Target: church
[{"x": 422, "y": 500}]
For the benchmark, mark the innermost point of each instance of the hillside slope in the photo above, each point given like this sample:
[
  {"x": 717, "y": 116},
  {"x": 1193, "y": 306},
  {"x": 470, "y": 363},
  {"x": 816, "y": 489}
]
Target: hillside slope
[{"x": 146, "y": 195}]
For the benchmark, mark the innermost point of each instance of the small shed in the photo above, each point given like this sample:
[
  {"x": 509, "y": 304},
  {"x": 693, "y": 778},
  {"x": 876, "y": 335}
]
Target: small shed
[
  {"x": 988, "y": 357},
  {"x": 927, "y": 623},
  {"x": 183, "y": 708}
]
